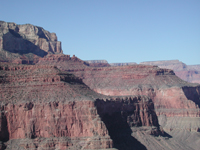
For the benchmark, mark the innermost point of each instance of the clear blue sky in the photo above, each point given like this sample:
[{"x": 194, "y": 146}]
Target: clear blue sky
[{"x": 116, "y": 30}]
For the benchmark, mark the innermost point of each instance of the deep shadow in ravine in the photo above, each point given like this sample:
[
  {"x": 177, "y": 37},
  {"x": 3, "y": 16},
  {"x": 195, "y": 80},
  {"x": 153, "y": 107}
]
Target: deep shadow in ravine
[{"x": 120, "y": 131}]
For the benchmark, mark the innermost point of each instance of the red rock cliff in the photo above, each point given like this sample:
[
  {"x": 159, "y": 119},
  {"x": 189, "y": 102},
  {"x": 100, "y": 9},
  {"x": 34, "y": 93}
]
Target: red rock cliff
[{"x": 42, "y": 107}]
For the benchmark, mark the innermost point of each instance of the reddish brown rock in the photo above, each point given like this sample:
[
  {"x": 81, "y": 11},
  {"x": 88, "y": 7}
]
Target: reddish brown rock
[
  {"x": 162, "y": 85},
  {"x": 63, "y": 62},
  {"x": 42, "y": 102},
  {"x": 170, "y": 94},
  {"x": 176, "y": 102},
  {"x": 42, "y": 107}
]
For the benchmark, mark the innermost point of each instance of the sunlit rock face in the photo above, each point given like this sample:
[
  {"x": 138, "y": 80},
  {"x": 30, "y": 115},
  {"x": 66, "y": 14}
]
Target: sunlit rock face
[{"x": 26, "y": 42}]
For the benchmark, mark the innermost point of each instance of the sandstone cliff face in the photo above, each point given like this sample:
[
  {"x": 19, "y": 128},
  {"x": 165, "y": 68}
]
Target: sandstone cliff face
[
  {"x": 44, "y": 108},
  {"x": 16, "y": 40}
]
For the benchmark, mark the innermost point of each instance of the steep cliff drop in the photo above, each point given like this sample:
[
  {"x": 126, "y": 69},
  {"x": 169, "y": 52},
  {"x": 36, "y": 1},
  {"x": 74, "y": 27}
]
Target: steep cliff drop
[
  {"x": 44, "y": 108},
  {"x": 172, "y": 97}
]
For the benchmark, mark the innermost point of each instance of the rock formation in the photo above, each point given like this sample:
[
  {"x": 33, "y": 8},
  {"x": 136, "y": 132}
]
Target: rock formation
[
  {"x": 172, "y": 97},
  {"x": 44, "y": 108},
  {"x": 161, "y": 85},
  {"x": 63, "y": 102},
  {"x": 63, "y": 62},
  {"x": 189, "y": 73},
  {"x": 97, "y": 63},
  {"x": 31, "y": 41}
]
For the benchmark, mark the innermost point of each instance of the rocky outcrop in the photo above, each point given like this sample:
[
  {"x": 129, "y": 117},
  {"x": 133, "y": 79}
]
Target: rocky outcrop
[
  {"x": 97, "y": 63},
  {"x": 27, "y": 39},
  {"x": 189, "y": 73},
  {"x": 42, "y": 107},
  {"x": 63, "y": 62}
]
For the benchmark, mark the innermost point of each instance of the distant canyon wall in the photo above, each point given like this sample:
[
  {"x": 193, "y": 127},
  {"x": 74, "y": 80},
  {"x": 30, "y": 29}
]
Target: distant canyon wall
[{"x": 189, "y": 73}]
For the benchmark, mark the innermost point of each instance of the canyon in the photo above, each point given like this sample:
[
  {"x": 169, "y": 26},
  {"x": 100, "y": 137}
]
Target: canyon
[
  {"x": 49, "y": 100},
  {"x": 43, "y": 107},
  {"x": 176, "y": 102}
]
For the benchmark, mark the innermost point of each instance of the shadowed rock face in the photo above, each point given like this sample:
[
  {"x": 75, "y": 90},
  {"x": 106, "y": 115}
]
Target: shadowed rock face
[
  {"x": 28, "y": 40},
  {"x": 42, "y": 107},
  {"x": 120, "y": 115}
]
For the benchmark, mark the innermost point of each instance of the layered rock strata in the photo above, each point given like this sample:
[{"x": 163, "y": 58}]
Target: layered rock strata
[
  {"x": 176, "y": 101},
  {"x": 171, "y": 95},
  {"x": 63, "y": 62},
  {"x": 28, "y": 40},
  {"x": 189, "y": 73},
  {"x": 44, "y": 108}
]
